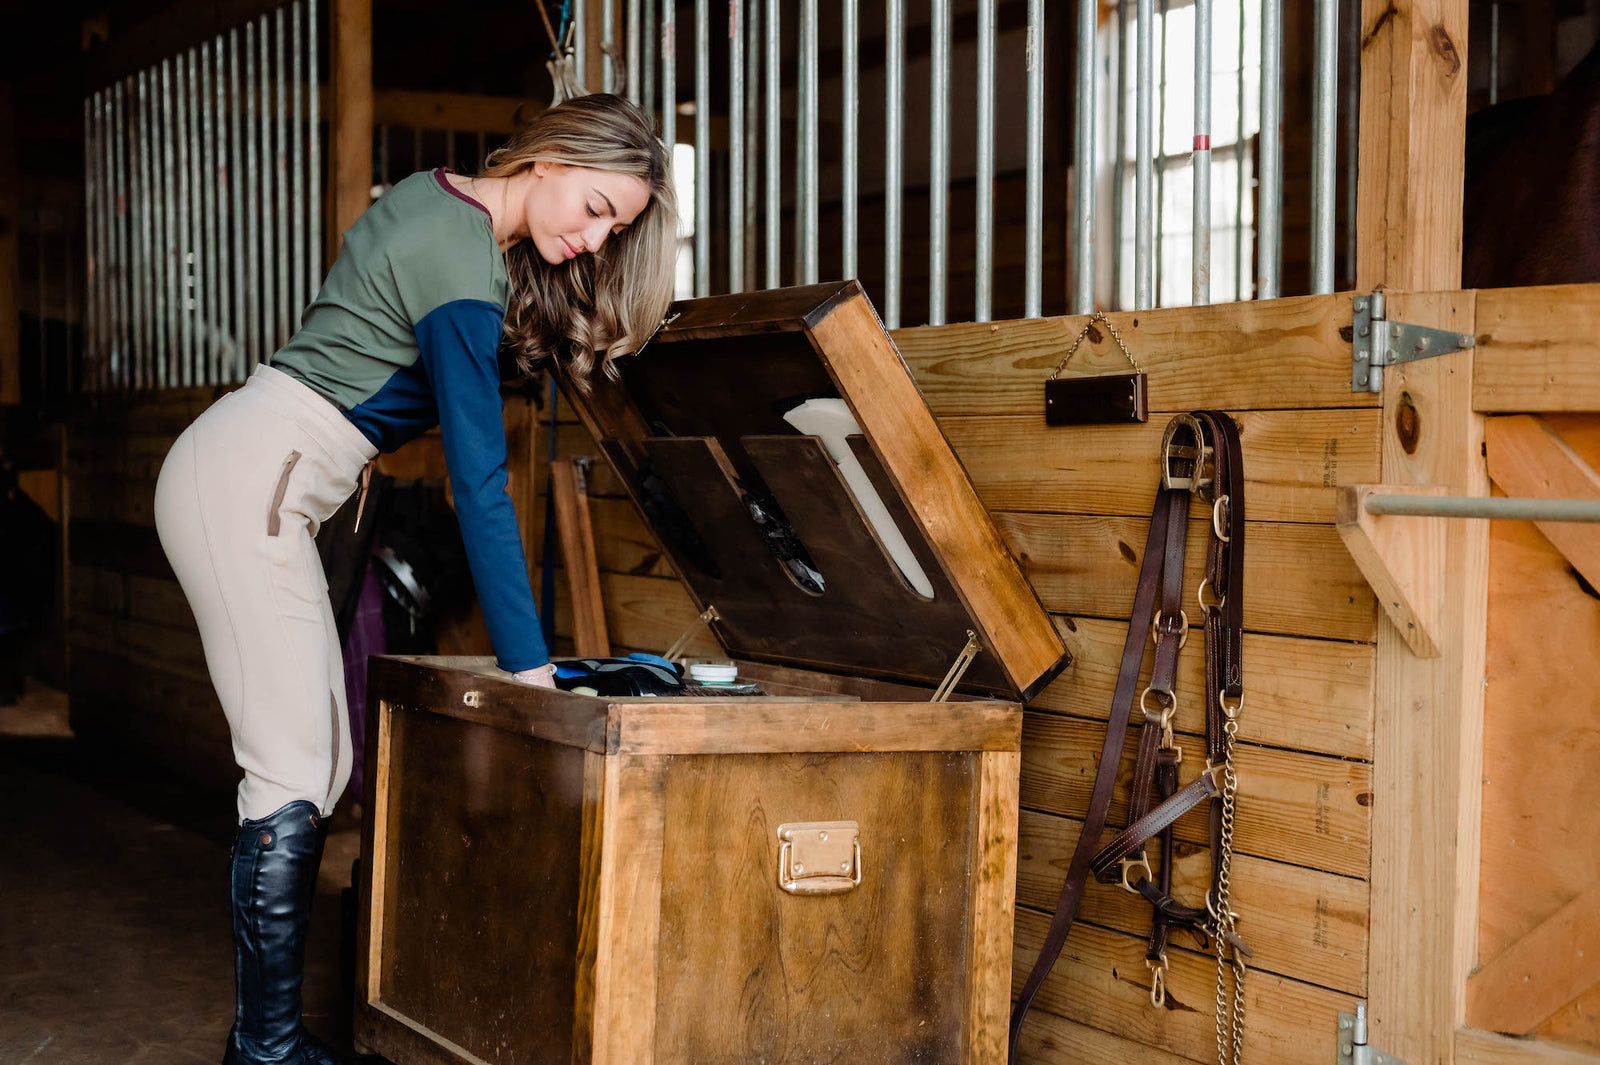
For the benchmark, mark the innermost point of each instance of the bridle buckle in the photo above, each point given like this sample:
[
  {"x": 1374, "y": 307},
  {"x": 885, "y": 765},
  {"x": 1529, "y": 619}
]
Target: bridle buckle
[
  {"x": 1129, "y": 864},
  {"x": 1188, "y": 463}
]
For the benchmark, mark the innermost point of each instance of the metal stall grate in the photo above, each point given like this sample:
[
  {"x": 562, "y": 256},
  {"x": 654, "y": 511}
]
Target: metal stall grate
[{"x": 203, "y": 195}]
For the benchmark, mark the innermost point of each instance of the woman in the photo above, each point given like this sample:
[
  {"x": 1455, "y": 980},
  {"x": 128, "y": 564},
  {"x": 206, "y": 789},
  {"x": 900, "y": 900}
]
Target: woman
[{"x": 563, "y": 247}]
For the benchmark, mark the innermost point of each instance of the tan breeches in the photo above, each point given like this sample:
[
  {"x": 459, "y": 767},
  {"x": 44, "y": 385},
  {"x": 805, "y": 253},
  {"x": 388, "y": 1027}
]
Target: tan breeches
[{"x": 238, "y": 504}]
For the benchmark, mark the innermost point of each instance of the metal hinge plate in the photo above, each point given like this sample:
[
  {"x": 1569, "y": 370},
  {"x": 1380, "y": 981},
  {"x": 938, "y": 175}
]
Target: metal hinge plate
[
  {"x": 1353, "y": 1027},
  {"x": 1376, "y": 342}
]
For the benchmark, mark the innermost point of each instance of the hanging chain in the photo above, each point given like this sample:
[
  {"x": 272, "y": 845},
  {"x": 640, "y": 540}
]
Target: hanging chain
[
  {"x": 1230, "y": 1020},
  {"x": 1098, "y": 316}
]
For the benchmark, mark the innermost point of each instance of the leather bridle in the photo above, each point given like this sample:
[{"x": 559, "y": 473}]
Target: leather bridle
[{"x": 1200, "y": 455}]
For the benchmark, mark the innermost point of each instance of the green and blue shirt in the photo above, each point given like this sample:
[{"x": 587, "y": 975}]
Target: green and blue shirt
[{"x": 402, "y": 337}]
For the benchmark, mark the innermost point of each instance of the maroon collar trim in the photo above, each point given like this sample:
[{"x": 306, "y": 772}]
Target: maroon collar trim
[{"x": 444, "y": 183}]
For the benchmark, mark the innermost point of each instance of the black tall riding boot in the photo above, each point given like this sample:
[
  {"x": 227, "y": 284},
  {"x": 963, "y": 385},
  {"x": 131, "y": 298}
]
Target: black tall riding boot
[{"x": 274, "y": 873}]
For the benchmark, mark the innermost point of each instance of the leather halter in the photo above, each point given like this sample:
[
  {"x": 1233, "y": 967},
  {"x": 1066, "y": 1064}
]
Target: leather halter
[{"x": 1200, "y": 455}]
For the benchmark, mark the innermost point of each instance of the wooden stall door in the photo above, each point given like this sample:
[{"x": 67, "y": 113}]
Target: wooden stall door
[
  {"x": 1501, "y": 960},
  {"x": 1485, "y": 935},
  {"x": 1537, "y": 379}
]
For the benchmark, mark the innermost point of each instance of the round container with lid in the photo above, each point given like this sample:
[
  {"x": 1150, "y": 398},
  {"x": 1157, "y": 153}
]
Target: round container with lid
[{"x": 713, "y": 672}]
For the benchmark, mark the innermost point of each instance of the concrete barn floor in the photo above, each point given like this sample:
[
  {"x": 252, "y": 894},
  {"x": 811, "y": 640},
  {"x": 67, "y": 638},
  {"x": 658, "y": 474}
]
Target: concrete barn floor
[{"x": 114, "y": 927}]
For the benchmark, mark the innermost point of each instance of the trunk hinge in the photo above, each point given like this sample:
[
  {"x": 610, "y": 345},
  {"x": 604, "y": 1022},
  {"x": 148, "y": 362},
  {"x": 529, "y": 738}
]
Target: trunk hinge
[
  {"x": 957, "y": 668},
  {"x": 1353, "y": 1048},
  {"x": 1376, "y": 342},
  {"x": 707, "y": 616}
]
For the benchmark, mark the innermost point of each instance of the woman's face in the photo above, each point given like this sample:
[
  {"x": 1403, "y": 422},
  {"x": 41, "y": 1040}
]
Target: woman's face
[{"x": 571, "y": 210}]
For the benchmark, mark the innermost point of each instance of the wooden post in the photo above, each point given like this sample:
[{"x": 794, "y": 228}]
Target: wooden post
[
  {"x": 349, "y": 117},
  {"x": 593, "y": 55},
  {"x": 10, "y": 217},
  {"x": 1429, "y": 712}
]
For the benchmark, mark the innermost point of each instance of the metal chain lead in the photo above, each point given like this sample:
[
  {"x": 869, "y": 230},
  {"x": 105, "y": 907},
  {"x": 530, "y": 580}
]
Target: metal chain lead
[
  {"x": 1098, "y": 316},
  {"x": 1230, "y": 1022}
]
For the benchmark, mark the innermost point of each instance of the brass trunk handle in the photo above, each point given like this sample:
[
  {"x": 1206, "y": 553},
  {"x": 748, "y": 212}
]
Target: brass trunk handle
[{"x": 819, "y": 857}]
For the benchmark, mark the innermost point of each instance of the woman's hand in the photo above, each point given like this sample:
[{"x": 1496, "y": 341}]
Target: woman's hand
[{"x": 540, "y": 676}]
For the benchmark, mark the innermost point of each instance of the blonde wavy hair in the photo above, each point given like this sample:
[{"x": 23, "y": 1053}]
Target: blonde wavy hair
[{"x": 604, "y": 304}]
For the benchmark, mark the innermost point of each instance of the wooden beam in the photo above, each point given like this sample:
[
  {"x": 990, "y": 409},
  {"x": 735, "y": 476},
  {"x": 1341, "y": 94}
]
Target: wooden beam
[
  {"x": 594, "y": 58},
  {"x": 579, "y": 559},
  {"x": 1527, "y": 458},
  {"x": 1536, "y": 349},
  {"x": 991, "y": 904},
  {"x": 629, "y": 910},
  {"x": 1485, "y": 1048},
  {"x": 1259, "y": 355},
  {"x": 349, "y": 118},
  {"x": 10, "y": 217},
  {"x": 1428, "y": 738},
  {"x": 1544, "y": 970},
  {"x": 466, "y": 112},
  {"x": 1413, "y": 136},
  {"x": 1429, "y": 711},
  {"x": 1402, "y": 558},
  {"x": 463, "y": 112}
]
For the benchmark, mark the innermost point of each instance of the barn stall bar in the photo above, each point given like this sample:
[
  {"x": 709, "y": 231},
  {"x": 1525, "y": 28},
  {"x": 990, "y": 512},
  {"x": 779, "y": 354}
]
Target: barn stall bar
[{"x": 1398, "y": 802}]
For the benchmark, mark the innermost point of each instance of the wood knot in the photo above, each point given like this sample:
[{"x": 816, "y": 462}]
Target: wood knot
[
  {"x": 1408, "y": 423},
  {"x": 1444, "y": 46},
  {"x": 1094, "y": 336},
  {"x": 1128, "y": 553},
  {"x": 1378, "y": 26}
]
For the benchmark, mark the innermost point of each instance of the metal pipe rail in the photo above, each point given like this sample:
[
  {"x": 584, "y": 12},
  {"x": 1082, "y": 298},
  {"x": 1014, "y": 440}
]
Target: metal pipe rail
[
  {"x": 1083, "y": 162},
  {"x": 1269, "y": 226},
  {"x": 1200, "y": 288},
  {"x": 939, "y": 161},
  {"x": 1324, "y": 157},
  {"x": 1486, "y": 508}
]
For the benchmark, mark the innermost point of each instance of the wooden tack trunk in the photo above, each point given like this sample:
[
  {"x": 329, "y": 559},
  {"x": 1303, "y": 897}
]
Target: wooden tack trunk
[{"x": 822, "y": 874}]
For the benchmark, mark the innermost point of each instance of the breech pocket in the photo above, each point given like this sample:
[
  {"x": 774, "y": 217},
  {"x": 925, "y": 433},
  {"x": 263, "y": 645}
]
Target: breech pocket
[{"x": 274, "y": 517}]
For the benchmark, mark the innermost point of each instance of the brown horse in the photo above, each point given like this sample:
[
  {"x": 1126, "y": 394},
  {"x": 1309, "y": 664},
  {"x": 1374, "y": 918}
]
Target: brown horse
[{"x": 1532, "y": 203}]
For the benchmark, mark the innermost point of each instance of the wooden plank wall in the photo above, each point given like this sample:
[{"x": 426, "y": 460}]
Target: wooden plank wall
[
  {"x": 138, "y": 680},
  {"x": 1073, "y": 505}
]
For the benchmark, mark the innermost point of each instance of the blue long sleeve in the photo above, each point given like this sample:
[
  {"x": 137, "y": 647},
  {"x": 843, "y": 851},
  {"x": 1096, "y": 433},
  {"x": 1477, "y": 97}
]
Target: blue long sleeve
[{"x": 457, "y": 342}]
